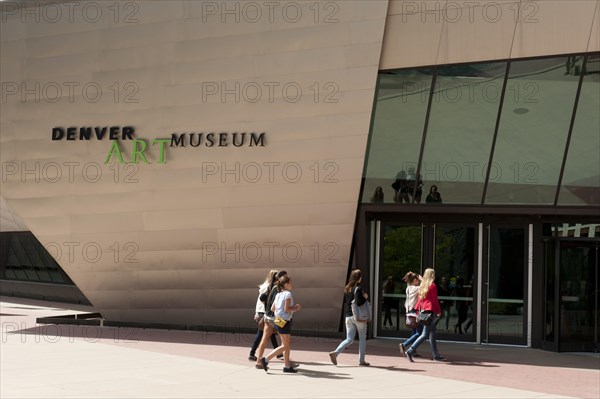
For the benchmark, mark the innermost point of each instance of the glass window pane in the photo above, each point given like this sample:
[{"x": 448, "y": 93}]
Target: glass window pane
[
  {"x": 395, "y": 140},
  {"x": 549, "y": 255},
  {"x": 31, "y": 274},
  {"x": 460, "y": 131},
  {"x": 56, "y": 277},
  {"x": 401, "y": 254},
  {"x": 455, "y": 267},
  {"x": 506, "y": 292},
  {"x": 530, "y": 145},
  {"x": 44, "y": 275},
  {"x": 581, "y": 178},
  {"x": 28, "y": 260}
]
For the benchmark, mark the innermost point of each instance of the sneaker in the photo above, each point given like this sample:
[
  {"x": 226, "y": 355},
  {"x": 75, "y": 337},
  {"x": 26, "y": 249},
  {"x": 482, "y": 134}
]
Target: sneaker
[
  {"x": 333, "y": 357},
  {"x": 364, "y": 364},
  {"x": 280, "y": 356},
  {"x": 409, "y": 356},
  {"x": 252, "y": 358},
  {"x": 416, "y": 355},
  {"x": 289, "y": 370},
  {"x": 402, "y": 351},
  {"x": 439, "y": 359},
  {"x": 264, "y": 363}
]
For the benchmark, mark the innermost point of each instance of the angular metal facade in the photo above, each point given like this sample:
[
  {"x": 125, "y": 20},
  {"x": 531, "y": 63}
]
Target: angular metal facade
[{"x": 187, "y": 241}]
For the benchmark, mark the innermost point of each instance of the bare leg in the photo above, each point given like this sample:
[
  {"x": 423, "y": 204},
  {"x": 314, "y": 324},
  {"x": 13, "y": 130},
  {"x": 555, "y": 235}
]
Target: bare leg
[
  {"x": 286, "y": 346},
  {"x": 267, "y": 332}
]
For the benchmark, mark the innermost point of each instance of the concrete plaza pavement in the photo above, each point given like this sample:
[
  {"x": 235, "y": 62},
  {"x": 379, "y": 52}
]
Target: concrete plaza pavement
[{"x": 66, "y": 361}]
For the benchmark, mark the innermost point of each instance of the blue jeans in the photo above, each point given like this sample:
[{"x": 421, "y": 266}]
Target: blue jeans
[
  {"x": 428, "y": 332},
  {"x": 351, "y": 328},
  {"x": 416, "y": 334}
]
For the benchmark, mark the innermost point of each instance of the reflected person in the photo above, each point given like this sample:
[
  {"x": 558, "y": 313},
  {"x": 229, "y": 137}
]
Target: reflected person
[
  {"x": 434, "y": 195},
  {"x": 414, "y": 185},
  {"x": 377, "y": 195}
]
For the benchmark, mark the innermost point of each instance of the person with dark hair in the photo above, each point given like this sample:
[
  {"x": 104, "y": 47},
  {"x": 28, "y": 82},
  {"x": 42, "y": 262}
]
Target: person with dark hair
[
  {"x": 414, "y": 185},
  {"x": 412, "y": 281},
  {"x": 353, "y": 292},
  {"x": 283, "y": 308},
  {"x": 400, "y": 188},
  {"x": 269, "y": 317},
  {"x": 260, "y": 313},
  {"x": 377, "y": 195},
  {"x": 388, "y": 302},
  {"x": 468, "y": 292},
  {"x": 462, "y": 307},
  {"x": 444, "y": 291},
  {"x": 434, "y": 195}
]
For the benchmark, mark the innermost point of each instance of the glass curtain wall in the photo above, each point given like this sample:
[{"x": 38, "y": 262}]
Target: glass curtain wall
[
  {"x": 487, "y": 133},
  {"x": 460, "y": 131},
  {"x": 397, "y": 132},
  {"x": 581, "y": 178},
  {"x": 532, "y": 136},
  {"x": 24, "y": 258}
]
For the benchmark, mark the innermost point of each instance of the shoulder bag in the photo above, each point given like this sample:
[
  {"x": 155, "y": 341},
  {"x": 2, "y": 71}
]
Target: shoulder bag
[
  {"x": 361, "y": 313},
  {"x": 425, "y": 317}
]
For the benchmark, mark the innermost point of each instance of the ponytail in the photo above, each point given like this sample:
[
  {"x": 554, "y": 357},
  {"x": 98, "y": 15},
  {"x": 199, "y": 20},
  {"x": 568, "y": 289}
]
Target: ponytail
[{"x": 282, "y": 282}]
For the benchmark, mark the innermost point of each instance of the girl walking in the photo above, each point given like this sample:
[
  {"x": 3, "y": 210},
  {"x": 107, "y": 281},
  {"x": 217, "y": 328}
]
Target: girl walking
[
  {"x": 412, "y": 280},
  {"x": 283, "y": 308},
  {"x": 260, "y": 313},
  {"x": 427, "y": 301},
  {"x": 353, "y": 291},
  {"x": 269, "y": 328}
]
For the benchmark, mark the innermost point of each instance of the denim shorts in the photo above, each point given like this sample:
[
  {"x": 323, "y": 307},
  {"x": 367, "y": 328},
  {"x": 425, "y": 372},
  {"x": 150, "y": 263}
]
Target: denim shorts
[{"x": 287, "y": 329}]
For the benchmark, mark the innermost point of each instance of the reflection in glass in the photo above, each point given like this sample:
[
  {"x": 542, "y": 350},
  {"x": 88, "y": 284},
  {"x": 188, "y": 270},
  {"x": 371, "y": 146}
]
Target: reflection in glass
[
  {"x": 506, "y": 285},
  {"x": 401, "y": 254},
  {"x": 550, "y": 300},
  {"x": 536, "y": 115},
  {"x": 578, "y": 295},
  {"x": 461, "y": 126},
  {"x": 575, "y": 230},
  {"x": 395, "y": 139},
  {"x": 581, "y": 178},
  {"x": 455, "y": 272}
]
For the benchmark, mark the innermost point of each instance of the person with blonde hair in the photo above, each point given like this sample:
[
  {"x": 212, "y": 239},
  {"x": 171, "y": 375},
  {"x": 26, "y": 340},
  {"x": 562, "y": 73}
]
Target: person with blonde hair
[
  {"x": 269, "y": 328},
  {"x": 283, "y": 308},
  {"x": 353, "y": 291},
  {"x": 260, "y": 313},
  {"x": 427, "y": 302}
]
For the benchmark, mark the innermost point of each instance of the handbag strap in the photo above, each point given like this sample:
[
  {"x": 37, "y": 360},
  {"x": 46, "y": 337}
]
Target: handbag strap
[{"x": 355, "y": 291}]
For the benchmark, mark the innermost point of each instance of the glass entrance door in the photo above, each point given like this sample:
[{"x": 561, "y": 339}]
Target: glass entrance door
[
  {"x": 455, "y": 264},
  {"x": 451, "y": 250},
  {"x": 578, "y": 296},
  {"x": 401, "y": 252},
  {"x": 482, "y": 275},
  {"x": 504, "y": 285}
]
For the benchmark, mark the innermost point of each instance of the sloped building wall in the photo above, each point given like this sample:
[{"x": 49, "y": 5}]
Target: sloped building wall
[{"x": 189, "y": 240}]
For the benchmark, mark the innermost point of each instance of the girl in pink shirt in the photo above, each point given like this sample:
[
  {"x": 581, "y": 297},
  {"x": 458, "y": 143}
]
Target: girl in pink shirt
[{"x": 427, "y": 301}]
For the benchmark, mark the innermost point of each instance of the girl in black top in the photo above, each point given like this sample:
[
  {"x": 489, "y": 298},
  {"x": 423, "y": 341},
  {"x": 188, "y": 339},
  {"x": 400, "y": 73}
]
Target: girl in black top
[
  {"x": 434, "y": 195},
  {"x": 353, "y": 291}
]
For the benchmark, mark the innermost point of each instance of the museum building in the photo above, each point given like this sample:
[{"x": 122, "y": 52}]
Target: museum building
[{"x": 160, "y": 157}]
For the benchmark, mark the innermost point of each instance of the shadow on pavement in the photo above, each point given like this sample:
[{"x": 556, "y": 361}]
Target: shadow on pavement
[{"x": 458, "y": 354}]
